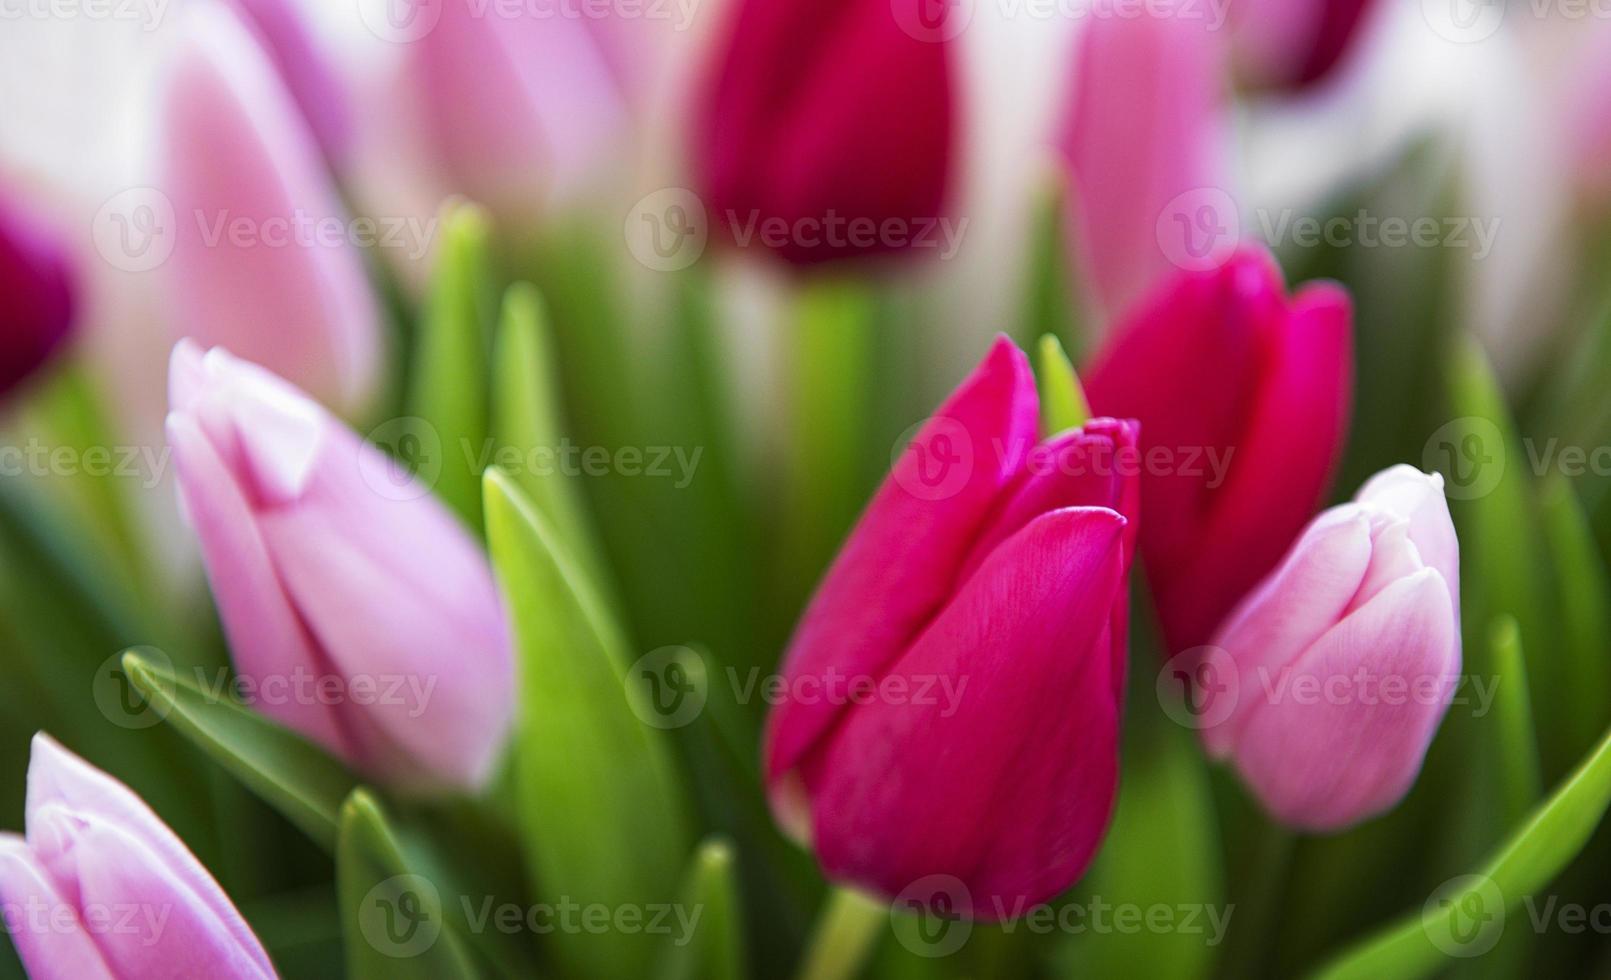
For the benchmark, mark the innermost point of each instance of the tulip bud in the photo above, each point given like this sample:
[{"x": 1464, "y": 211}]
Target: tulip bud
[
  {"x": 974, "y": 627},
  {"x": 36, "y": 296},
  {"x": 306, "y": 72},
  {"x": 100, "y": 887},
  {"x": 1364, "y": 612},
  {"x": 1243, "y": 396},
  {"x": 333, "y": 569},
  {"x": 518, "y": 106},
  {"x": 824, "y": 116},
  {"x": 1294, "y": 44},
  {"x": 263, "y": 262},
  {"x": 1145, "y": 126}
]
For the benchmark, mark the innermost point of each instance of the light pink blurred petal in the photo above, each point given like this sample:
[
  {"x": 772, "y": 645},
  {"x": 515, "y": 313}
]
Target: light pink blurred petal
[{"x": 43, "y": 923}]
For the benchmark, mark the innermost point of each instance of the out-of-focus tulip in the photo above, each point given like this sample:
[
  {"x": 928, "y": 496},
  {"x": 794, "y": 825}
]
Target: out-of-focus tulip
[
  {"x": 1293, "y": 44},
  {"x": 331, "y": 566},
  {"x": 305, "y": 70},
  {"x": 101, "y": 888},
  {"x": 1243, "y": 396},
  {"x": 974, "y": 627},
  {"x": 1588, "y": 91},
  {"x": 36, "y": 295},
  {"x": 264, "y": 258},
  {"x": 519, "y": 106},
  {"x": 1145, "y": 128},
  {"x": 821, "y": 115},
  {"x": 1346, "y": 657}
]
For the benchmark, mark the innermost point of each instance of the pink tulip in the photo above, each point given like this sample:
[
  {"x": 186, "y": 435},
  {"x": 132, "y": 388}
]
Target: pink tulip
[
  {"x": 306, "y": 72},
  {"x": 1294, "y": 44},
  {"x": 992, "y": 568},
  {"x": 36, "y": 295},
  {"x": 100, "y": 888},
  {"x": 1144, "y": 131},
  {"x": 263, "y": 262},
  {"x": 329, "y": 565},
  {"x": 1243, "y": 395},
  {"x": 519, "y": 106},
  {"x": 1364, "y": 616},
  {"x": 824, "y": 112}
]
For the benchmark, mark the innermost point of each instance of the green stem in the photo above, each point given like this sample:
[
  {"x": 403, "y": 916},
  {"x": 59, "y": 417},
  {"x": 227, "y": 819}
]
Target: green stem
[
  {"x": 1258, "y": 912},
  {"x": 846, "y": 933}
]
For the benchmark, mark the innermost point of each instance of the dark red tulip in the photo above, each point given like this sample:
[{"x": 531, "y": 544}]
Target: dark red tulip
[{"x": 36, "y": 295}]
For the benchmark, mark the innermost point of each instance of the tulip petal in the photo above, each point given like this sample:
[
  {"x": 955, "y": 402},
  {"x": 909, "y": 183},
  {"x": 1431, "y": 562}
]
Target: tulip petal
[
  {"x": 903, "y": 558},
  {"x": 44, "y": 925},
  {"x": 1008, "y": 785},
  {"x": 1328, "y": 761},
  {"x": 1418, "y": 498}
]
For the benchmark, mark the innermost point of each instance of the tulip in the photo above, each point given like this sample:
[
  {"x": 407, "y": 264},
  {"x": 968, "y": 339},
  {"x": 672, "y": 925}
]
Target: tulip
[
  {"x": 256, "y": 265},
  {"x": 519, "y": 107},
  {"x": 36, "y": 296},
  {"x": 1294, "y": 44},
  {"x": 1367, "y": 602},
  {"x": 1243, "y": 396},
  {"x": 823, "y": 117},
  {"x": 992, "y": 568},
  {"x": 1146, "y": 126},
  {"x": 99, "y": 887},
  {"x": 331, "y": 567},
  {"x": 304, "y": 69}
]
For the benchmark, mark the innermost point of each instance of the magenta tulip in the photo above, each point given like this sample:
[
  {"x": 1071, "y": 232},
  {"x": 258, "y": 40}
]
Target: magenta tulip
[
  {"x": 36, "y": 295},
  {"x": 824, "y": 116},
  {"x": 1243, "y": 396},
  {"x": 335, "y": 571},
  {"x": 264, "y": 261},
  {"x": 1145, "y": 129},
  {"x": 974, "y": 627},
  {"x": 1294, "y": 44},
  {"x": 1346, "y": 656},
  {"x": 99, "y": 887}
]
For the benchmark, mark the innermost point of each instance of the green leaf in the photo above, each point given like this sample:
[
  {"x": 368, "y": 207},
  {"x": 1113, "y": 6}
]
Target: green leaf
[
  {"x": 1471, "y": 910},
  {"x": 1051, "y": 306},
  {"x": 296, "y": 777},
  {"x": 1520, "y": 781},
  {"x": 715, "y": 950},
  {"x": 1062, "y": 401},
  {"x": 603, "y": 814},
  {"x": 526, "y": 421},
  {"x": 1583, "y": 598},
  {"x": 449, "y": 384},
  {"x": 397, "y": 922}
]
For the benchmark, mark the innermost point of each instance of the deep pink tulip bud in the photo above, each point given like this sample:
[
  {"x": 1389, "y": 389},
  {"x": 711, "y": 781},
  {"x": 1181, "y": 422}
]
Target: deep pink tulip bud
[
  {"x": 36, "y": 295},
  {"x": 330, "y": 566},
  {"x": 100, "y": 887},
  {"x": 827, "y": 112},
  {"x": 1243, "y": 396},
  {"x": 263, "y": 261},
  {"x": 305, "y": 70},
  {"x": 1346, "y": 657},
  {"x": 1294, "y": 44},
  {"x": 1145, "y": 130},
  {"x": 988, "y": 573}
]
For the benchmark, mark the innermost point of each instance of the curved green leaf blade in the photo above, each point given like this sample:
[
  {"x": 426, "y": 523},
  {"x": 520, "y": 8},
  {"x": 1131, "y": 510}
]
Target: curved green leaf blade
[
  {"x": 715, "y": 948},
  {"x": 1583, "y": 597},
  {"x": 1062, "y": 401}
]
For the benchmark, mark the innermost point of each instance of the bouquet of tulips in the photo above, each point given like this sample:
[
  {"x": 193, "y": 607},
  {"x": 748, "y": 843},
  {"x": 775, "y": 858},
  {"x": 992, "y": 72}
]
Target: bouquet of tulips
[{"x": 641, "y": 488}]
